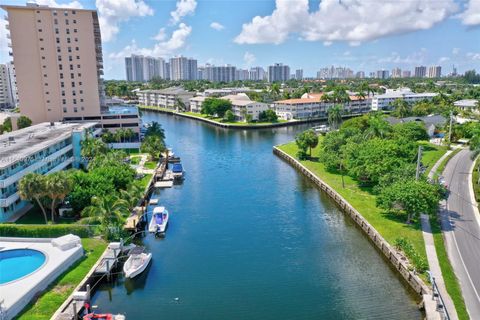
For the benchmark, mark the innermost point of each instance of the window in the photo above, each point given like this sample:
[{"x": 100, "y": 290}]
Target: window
[
  {"x": 80, "y": 83},
  {"x": 44, "y": 75},
  {"x": 64, "y": 101},
  {"x": 70, "y": 58},
  {"x": 78, "y": 57},
  {"x": 41, "y": 39},
  {"x": 55, "y": 12},
  {"x": 68, "y": 40},
  {"x": 49, "y": 108},
  {"x": 39, "y": 21},
  {"x": 70, "y": 49},
  {"x": 59, "y": 50},
  {"x": 65, "y": 13},
  {"x": 47, "y": 92},
  {"x": 46, "y": 84},
  {"x": 66, "y": 22},
  {"x": 82, "y": 108},
  {"x": 48, "y": 101},
  {"x": 81, "y": 91},
  {"x": 68, "y": 31},
  {"x": 63, "y": 93},
  {"x": 43, "y": 58},
  {"x": 76, "y": 39},
  {"x": 44, "y": 67},
  {"x": 71, "y": 67},
  {"x": 59, "y": 58},
  {"x": 75, "y": 109},
  {"x": 61, "y": 75},
  {"x": 74, "y": 101},
  {"x": 55, "y": 21},
  {"x": 74, "y": 30},
  {"x": 77, "y": 48},
  {"x": 73, "y": 84},
  {"x": 79, "y": 74},
  {"x": 81, "y": 100},
  {"x": 64, "y": 109},
  {"x": 62, "y": 84},
  {"x": 38, "y": 11},
  {"x": 39, "y": 30},
  {"x": 78, "y": 66},
  {"x": 56, "y": 31},
  {"x": 72, "y": 76},
  {"x": 75, "y": 22},
  {"x": 74, "y": 12},
  {"x": 60, "y": 66},
  {"x": 42, "y": 48},
  {"x": 58, "y": 40},
  {"x": 74, "y": 93}
]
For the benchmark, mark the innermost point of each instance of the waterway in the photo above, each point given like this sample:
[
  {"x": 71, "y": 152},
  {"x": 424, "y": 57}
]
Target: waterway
[{"x": 250, "y": 238}]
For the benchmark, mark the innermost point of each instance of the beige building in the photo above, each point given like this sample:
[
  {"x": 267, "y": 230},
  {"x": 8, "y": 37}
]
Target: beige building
[
  {"x": 8, "y": 87},
  {"x": 57, "y": 55}
]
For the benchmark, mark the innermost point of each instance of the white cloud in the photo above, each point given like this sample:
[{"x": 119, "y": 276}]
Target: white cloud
[
  {"x": 471, "y": 15},
  {"x": 161, "y": 49},
  {"x": 217, "y": 26},
  {"x": 53, "y": 3},
  {"x": 113, "y": 12},
  {"x": 327, "y": 43},
  {"x": 473, "y": 56},
  {"x": 416, "y": 57},
  {"x": 455, "y": 51},
  {"x": 161, "y": 35},
  {"x": 249, "y": 58},
  {"x": 184, "y": 8},
  {"x": 360, "y": 20},
  {"x": 443, "y": 59}
]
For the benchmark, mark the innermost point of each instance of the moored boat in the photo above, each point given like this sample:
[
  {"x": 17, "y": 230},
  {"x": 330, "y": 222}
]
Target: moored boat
[
  {"x": 137, "y": 262},
  {"x": 177, "y": 171},
  {"x": 159, "y": 221}
]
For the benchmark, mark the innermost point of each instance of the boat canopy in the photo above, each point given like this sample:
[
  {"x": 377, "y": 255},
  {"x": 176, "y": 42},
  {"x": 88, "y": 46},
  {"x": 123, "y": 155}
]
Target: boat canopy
[{"x": 177, "y": 168}]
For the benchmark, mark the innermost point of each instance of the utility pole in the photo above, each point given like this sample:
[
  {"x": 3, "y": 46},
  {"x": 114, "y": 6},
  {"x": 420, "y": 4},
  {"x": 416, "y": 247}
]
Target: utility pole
[
  {"x": 450, "y": 130},
  {"x": 419, "y": 160}
]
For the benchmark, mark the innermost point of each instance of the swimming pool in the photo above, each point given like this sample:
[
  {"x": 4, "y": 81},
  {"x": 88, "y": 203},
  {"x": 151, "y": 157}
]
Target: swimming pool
[{"x": 17, "y": 263}]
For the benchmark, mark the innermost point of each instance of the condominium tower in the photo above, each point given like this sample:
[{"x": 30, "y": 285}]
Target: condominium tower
[
  {"x": 434, "y": 72},
  {"x": 420, "y": 72},
  {"x": 140, "y": 68},
  {"x": 278, "y": 72},
  {"x": 8, "y": 86},
  {"x": 57, "y": 53},
  {"x": 182, "y": 68},
  {"x": 257, "y": 74}
]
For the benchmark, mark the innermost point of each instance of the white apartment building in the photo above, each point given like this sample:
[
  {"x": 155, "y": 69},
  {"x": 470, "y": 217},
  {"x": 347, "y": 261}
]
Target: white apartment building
[
  {"x": 434, "y": 72},
  {"x": 278, "y": 72},
  {"x": 182, "y": 68},
  {"x": 383, "y": 101},
  {"x": 396, "y": 73},
  {"x": 242, "y": 75},
  {"x": 43, "y": 148},
  {"x": 141, "y": 68},
  {"x": 8, "y": 86},
  {"x": 241, "y": 105},
  {"x": 171, "y": 98},
  {"x": 299, "y": 74},
  {"x": 468, "y": 105},
  {"x": 310, "y": 105},
  {"x": 257, "y": 74},
  {"x": 226, "y": 73}
]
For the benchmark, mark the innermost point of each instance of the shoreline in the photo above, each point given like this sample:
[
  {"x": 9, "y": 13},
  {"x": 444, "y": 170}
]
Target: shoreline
[
  {"x": 397, "y": 261},
  {"x": 241, "y": 126}
]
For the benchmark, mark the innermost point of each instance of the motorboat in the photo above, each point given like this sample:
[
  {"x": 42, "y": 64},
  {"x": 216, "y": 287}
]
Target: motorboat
[
  {"x": 177, "y": 171},
  {"x": 159, "y": 221},
  {"x": 137, "y": 262},
  {"x": 323, "y": 128},
  {"x": 104, "y": 316}
]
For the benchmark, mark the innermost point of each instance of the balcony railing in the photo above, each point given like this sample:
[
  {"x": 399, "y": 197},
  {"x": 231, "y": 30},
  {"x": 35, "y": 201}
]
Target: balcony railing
[{"x": 8, "y": 201}]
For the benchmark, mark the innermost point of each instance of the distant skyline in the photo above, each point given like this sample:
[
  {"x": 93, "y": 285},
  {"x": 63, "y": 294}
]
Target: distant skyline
[{"x": 309, "y": 35}]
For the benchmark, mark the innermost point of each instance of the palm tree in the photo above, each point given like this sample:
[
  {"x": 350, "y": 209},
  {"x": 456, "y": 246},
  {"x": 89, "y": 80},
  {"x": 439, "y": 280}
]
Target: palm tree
[
  {"x": 129, "y": 134},
  {"x": 377, "y": 127},
  {"x": 402, "y": 108},
  {"x": 59, "y": 185},
  {"x": 335, "y": 116},
  {"x": 106, "y": 211},
  {"x": 33, "y": 187},
  {"x": 92, "y": 147},
  {"x": 154, "y": 146},
  {"x": 155, "y": 129},
  {"x": 132, "y": 195}
]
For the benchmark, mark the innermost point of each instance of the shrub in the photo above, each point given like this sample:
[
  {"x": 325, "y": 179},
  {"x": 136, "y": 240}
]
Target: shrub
[
  {"x": 45, "y": 231},
  {"x": 403, "y": 244}
]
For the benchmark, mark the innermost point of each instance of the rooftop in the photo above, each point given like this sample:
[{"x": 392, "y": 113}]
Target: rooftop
[
  {"x": 17, "y": 145},
  {"x": 469, "y": 103},
  {"x": 34, "y": 6}
]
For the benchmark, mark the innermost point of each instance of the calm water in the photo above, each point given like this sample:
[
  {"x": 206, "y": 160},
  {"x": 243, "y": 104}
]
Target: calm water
[{"x": 250, "y": 238}]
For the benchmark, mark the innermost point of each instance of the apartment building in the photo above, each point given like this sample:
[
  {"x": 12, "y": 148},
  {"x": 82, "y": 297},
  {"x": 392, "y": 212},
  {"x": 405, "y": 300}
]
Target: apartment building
[
  {"x": 299, "y": 74},
  {"x": 278, "y": 73},
  {"x": 182, "y": 68},
  {"x": 257, "y": 74},
  {"x": 310, "y": 105},
  {"x": 57, "y": 53},
  {"x": 172, "y": 98},
  {"x": 420, "y": 72},
  {"x": 43, "y": 148},
  {"x": 383, "y": 101},
  {"x": 382, "y": 74},
  {"x": 8, "y": 86},
  {"x": 396, "y": 73},
  {"x": 226, "y": 73},
  {"x": 141, "y": 68},
  {"x": 242, "y": 75},
  {"x": 434, "y": 72},
  {"x": 406, "y": 74},
  {"x": 241, "y": 105}
]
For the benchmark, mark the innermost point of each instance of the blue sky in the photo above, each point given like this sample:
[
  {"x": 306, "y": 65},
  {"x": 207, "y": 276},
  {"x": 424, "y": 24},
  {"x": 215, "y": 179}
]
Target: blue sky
[{"x": 372, "y": 35}]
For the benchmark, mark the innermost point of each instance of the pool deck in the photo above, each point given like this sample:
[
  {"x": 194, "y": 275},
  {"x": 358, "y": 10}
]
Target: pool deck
[{"x": 18, "y": 293}]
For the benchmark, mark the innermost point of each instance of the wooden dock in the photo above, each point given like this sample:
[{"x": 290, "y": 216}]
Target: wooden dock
[
  {"x": 135, "y": 218},
  {"x": 109, "y": 260}
]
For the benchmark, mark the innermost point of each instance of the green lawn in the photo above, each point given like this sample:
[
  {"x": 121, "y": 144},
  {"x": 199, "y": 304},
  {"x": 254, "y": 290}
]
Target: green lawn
[
  {"x": 35, "y": 216},
  {"x": 390, "y": 227},
  {"x": 451, "y": 281},
  {"x": 144, "y": 181},
  {"x": 431, "y": 154},
  {"x": 60, "y": 289},
  {"x": 135, "y": 160},
  {"x": 151, "y": 165}
]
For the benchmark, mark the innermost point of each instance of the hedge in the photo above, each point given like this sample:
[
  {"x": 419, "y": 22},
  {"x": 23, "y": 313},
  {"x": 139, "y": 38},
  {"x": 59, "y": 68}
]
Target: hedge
[{"x": 44, "y": 231}]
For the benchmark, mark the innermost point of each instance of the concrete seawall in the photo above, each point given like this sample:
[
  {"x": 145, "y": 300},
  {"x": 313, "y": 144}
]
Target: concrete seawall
[
  {"x": 241, "y": 126},
  {"x": 399, "y": 263}
]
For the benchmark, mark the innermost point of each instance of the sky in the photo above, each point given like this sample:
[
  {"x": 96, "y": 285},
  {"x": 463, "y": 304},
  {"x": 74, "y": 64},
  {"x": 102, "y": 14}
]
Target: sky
[{"x": 364, "y": 35}]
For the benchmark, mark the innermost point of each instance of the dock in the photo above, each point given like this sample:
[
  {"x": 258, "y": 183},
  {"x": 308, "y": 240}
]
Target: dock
[
  {"x": 109, "y": 259},
  {"x": 164, "y": 184},
  {"x": 137, "y": 216}
]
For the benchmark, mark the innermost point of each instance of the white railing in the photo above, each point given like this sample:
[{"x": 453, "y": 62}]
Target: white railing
[{"x": 8, "y": 201}]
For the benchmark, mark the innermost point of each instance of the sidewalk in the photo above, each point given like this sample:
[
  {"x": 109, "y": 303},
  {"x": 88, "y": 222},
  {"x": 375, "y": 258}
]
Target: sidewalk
[{"x": 432, "y": 257}]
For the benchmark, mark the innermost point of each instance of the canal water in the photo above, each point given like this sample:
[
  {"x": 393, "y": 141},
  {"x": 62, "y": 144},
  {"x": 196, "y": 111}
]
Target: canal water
[{"x": 250, "y": 238}]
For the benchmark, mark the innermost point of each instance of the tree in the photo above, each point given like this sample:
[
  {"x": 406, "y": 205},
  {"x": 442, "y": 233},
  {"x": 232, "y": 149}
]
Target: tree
[
  {"x": 229, "y": 116},
  {"x": 335, "y": 116},
  {"x": 59, "y": 185},
  {"x": 268, "y": 115},
  {"x": 216, "y": 106},
  {"x": 154, "y": 146},
  {"x": 7, "y": 125},
  {"x": 410, "y": 198},
  {"x": 311, "y": 139},
  {"x": 248, "y": 118},
  {"x": 92, "y": 147},
  {"x": 306, "y": 140},
  {"x": 411, "y": 131},
  {"x": 377, "y": 127},
  {"x": 155, "y": 129},
  {"x": 23, "y": 122},
  {"x": 33, "y": 187},
  {"x": 401, "y": 108}
]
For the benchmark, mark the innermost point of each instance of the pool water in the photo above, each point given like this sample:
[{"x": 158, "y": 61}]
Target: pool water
[{"x": 15, "y": 264}]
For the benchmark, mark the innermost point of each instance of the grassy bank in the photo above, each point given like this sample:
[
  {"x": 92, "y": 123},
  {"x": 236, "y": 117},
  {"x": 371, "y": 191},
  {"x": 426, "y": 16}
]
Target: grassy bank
[
  {"x": 443, "y": 164},
  {"x": 451, "y": 281},
  {"x": 431, "y": 154},
  {"x": 475, "y": 177},
  {"x": 362, "y": 199},
  {"x": 60, "y": 289}
]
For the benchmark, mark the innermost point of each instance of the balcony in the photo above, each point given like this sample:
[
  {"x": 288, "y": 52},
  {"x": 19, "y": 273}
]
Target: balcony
[
  {"x": 8, "y": 201},
  {"x": 37, "y": 165},
  {"x": 7, "y": 27}
]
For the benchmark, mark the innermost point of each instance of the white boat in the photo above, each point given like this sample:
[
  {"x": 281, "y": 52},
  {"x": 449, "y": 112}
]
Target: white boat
[
  {"x": 177, "y": 171},
  {"x": 153, "y": 201},
  {"x": 136, "y": 262},
  {"x": 159, "y": 220}
]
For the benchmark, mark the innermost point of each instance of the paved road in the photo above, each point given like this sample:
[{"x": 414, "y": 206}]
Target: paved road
[{"x": 462, "y": 230}]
